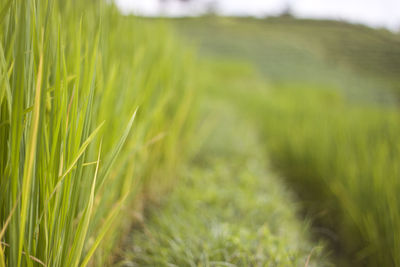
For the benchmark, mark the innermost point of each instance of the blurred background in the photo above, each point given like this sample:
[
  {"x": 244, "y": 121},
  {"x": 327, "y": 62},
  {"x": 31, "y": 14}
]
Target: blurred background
[
  {"x": 375, "y": 13},
  {"x": 319, "y": 83}
]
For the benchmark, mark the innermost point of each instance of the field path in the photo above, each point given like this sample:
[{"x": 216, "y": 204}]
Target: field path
[{"x": 229, "y": 209}]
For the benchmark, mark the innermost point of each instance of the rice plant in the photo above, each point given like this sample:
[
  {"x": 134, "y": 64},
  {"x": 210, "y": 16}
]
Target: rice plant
[
  {"x": 88, "y": 119},
  {"x": 343, "y": 159}
]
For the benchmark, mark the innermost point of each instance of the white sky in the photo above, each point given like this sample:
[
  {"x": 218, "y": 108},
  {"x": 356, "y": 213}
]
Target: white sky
[{"x": 376, "y": 13}]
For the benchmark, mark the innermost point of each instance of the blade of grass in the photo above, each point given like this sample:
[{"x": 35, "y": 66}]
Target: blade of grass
[
  {"x": 30, "y": 158},
  {"x": 84, "y": 223},
  {"x": 113, "y": 155}
]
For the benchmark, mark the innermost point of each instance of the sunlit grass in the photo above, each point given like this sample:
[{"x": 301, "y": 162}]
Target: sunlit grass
[
  {"x": 93, "y": 106},
  {"x": 94, "y": 112}
]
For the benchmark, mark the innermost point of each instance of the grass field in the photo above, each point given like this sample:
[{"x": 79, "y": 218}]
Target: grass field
[
  {"x": 327, "y": 116},
  {"x": 341, "y": 56},
  {"x": 221, "y": 141},
  {"x": 229, "y": 209}
]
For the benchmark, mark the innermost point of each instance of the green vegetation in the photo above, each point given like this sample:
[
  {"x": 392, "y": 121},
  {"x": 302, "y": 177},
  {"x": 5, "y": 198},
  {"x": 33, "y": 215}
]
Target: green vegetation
[
  {"x": 361, "y": 62},
  {"x": 229, "y": 209},
  {"x": 96, "y": 125},
  {"x": 336, "y": 147},
  {"x": 343, "y": 159},
  {"x": 73, "y": 150}
]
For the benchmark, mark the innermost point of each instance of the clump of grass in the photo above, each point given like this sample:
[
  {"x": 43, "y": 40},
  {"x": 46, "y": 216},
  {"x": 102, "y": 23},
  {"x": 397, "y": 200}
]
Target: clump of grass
[
  {"x": 343, "y": 159},
  {"x": 93, "y": 107}
]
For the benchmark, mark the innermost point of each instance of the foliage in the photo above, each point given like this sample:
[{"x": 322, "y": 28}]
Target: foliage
[
  {"x": 93, "y": 107},
  {"x": 339, "y": 155},
  {"x": 326, "y": 117},
  {"x": 229, "y": 210}
]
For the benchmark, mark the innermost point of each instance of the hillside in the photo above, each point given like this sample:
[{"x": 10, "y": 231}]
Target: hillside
[{"x": 348, "y": 57}]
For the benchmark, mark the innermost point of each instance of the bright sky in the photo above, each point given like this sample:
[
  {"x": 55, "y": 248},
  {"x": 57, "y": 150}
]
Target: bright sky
[{"x": 376, "y": 13}]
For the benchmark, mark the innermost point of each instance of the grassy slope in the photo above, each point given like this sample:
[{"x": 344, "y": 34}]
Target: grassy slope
[
  {"x": 326, "y": 118},
  {"x": 347, "y": 57},
  {"x": 229, "y": 209}
]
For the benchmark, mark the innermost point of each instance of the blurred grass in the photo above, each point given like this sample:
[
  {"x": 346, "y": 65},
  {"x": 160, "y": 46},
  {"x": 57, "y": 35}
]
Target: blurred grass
[
  {"x": 323, "y": 96},
  {"x": 342, "y": 159},
  {"x": 229, "y": 209},
  {"x": 94, "y": 108},
  {"x": 359, "y": 61}
]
